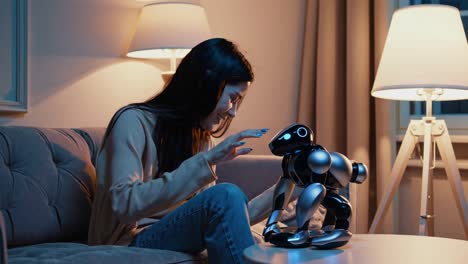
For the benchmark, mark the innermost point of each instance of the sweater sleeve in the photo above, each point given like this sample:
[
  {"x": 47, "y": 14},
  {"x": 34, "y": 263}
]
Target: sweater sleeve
[{"x": 131, "y": 197}]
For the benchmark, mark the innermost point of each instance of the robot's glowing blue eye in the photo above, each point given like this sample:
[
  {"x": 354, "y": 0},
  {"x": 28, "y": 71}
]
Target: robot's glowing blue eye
[
  {"x": 286, "y": 136},
  {"x": 302, "y": 132}
]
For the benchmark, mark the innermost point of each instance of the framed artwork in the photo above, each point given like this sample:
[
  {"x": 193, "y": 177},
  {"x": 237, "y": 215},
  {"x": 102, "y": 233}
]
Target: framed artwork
[{"x": 13, "y": 55}]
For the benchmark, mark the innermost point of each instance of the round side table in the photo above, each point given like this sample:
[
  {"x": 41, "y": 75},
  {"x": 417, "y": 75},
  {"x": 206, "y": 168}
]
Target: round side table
[{"x": 368, "y": 249}]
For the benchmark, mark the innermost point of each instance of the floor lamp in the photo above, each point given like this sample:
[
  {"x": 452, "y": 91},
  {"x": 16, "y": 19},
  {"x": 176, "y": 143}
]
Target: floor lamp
[
  {"x": 168, "y": 30},
  {"x": 425, "y": 58}
]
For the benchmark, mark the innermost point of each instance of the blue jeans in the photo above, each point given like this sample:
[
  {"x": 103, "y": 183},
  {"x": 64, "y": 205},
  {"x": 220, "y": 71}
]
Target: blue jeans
[{"x": 216, "y": 219}]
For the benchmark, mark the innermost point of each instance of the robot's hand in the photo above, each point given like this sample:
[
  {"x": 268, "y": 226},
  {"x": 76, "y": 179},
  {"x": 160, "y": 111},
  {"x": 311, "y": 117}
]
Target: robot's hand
[{"x": 270, "y": 230}]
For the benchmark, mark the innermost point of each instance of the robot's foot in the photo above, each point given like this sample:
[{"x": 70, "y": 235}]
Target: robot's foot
[
  {"x": 331, "y": 239},
  {"x": 281, "y": 240},
  {"x": 318, "y": 239}
]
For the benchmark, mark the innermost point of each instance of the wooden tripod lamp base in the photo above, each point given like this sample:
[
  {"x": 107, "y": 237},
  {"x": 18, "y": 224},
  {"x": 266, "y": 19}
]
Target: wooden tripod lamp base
[{"x": 430, "y": 129}]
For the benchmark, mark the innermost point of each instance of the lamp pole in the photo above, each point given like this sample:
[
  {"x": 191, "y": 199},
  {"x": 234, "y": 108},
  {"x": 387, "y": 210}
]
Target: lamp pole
[{"x": 426, "y": 216}]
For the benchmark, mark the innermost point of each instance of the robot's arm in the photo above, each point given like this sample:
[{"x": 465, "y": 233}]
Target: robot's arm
[{"x": 283, "y": 190}]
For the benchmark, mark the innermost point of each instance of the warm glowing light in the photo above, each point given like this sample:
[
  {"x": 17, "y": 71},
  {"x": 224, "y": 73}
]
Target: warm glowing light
[
  {"x": 426, "y": 47},
  {"x": 158, "y": 53},
  {"x": 169, "y": 30}
]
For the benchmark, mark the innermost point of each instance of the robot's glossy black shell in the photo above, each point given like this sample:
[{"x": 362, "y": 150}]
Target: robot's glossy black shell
[
  {"x": 331, "y": 182},
  {"x": 295, "y": 166},
  {"x": 291, "y": 139}
]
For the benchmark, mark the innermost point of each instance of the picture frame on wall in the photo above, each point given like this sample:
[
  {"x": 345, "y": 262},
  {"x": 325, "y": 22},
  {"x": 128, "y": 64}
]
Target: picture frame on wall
[{"x": 13, "y": 56}]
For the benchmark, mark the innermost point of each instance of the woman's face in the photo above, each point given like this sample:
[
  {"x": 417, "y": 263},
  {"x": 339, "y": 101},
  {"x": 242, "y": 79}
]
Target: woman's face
[{"x": 226, "y": 106}]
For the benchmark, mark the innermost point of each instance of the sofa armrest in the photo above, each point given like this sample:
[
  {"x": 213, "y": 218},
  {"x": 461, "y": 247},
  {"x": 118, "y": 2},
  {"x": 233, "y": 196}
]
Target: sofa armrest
[
  {"x": 252, "y": 173},
  {"x": 3, "y": 242}
]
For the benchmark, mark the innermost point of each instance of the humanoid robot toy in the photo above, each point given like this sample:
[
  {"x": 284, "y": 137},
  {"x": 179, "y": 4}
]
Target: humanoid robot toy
[{"x": 321, "y": 174}]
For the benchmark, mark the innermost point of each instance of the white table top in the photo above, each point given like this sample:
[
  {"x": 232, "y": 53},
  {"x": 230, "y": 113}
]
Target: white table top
[{"x": 368, "y": 249}]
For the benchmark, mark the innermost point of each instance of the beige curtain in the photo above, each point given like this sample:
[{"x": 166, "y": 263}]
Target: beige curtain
[{"x": 342, "y": 45}]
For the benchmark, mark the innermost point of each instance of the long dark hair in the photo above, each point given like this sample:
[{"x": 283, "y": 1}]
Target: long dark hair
[{"x": 189, "y": 97}]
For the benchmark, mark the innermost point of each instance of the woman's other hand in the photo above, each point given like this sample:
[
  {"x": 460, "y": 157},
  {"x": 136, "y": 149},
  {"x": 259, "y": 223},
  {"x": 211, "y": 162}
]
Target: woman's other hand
[{"x": 231, "y": 147}]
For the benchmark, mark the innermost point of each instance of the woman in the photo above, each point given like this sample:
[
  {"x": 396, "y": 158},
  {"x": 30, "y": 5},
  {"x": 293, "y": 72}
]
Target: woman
[{"x": 156, "y": 181}]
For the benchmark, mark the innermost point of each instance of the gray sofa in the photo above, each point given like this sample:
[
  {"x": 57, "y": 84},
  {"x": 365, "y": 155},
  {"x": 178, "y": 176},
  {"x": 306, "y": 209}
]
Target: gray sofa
[{"x": 47, "y": 179}]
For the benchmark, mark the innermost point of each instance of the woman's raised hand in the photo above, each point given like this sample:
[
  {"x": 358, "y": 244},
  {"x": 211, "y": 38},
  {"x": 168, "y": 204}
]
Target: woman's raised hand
[{"x": 231, "y": 147}]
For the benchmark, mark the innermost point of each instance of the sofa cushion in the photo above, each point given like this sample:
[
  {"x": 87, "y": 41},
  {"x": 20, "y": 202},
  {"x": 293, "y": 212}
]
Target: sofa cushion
[
  {"x": 70, "y": 253},
  {"x": 47, "y": 183},
  {"x": 93, "y": 136}
]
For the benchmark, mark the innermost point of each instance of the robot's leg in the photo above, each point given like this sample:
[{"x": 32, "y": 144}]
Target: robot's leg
[
  {"x": 283, "y": 190},
  {"x": 307, "y": 204},
  {"x": 336, "y": 222}
]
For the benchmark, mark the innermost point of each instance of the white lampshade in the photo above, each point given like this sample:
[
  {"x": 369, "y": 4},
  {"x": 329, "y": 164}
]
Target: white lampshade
[
  {"x": 169, "y": 29},
  {"x": 426, "y": 47}
]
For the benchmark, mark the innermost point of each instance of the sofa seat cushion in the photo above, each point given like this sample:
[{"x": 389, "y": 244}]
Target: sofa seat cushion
[{"x": 71, "y": 253}]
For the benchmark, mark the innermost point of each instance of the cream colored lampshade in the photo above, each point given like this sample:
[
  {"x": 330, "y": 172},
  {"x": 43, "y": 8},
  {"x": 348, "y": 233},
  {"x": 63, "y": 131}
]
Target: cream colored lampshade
[
  {"x": 426, "y": 47},
  {"x": 169, "y": 30}
]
